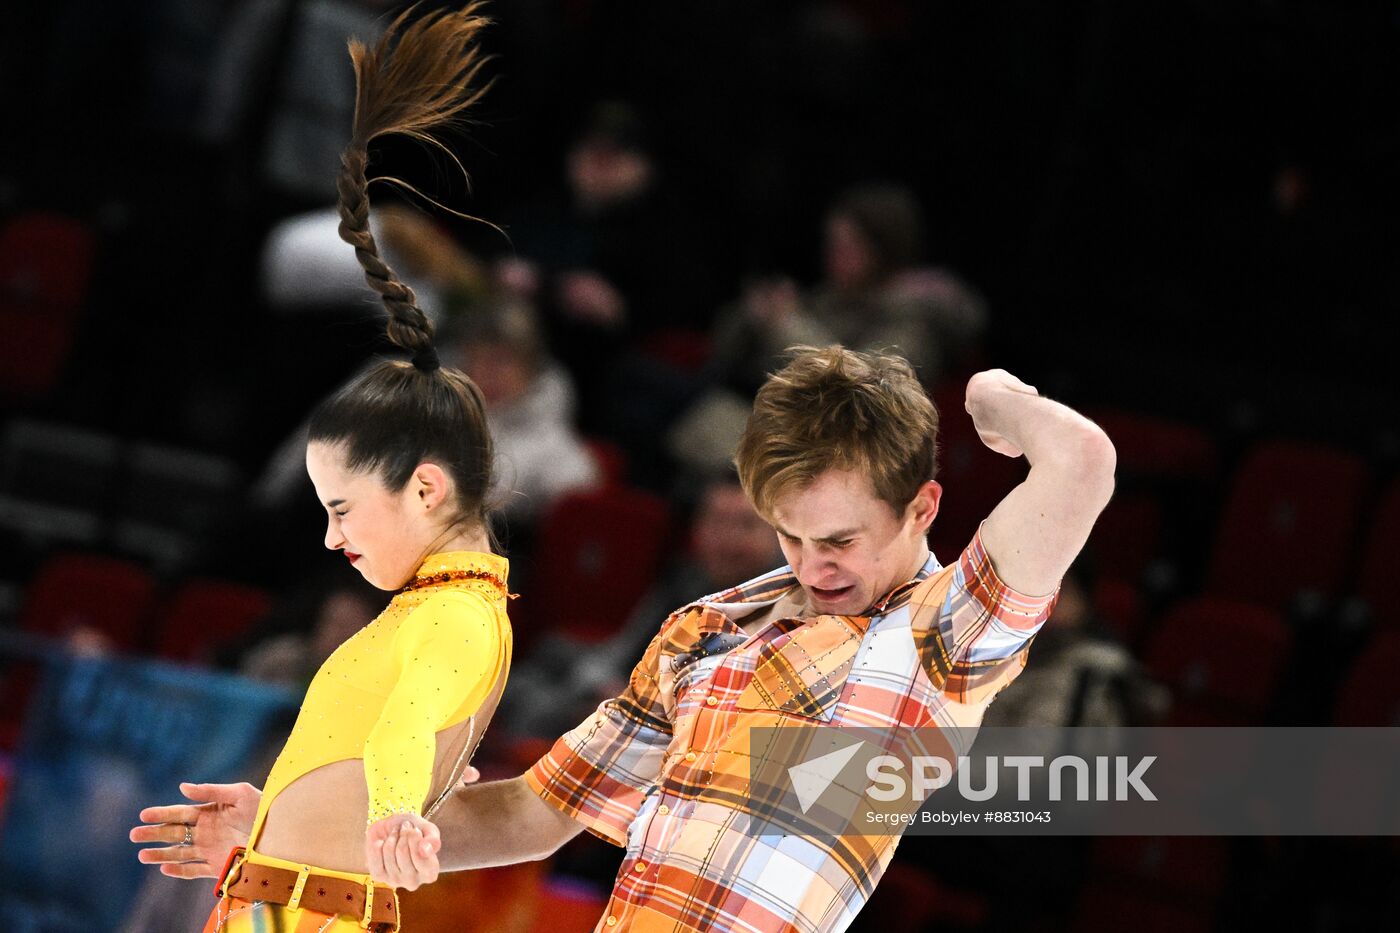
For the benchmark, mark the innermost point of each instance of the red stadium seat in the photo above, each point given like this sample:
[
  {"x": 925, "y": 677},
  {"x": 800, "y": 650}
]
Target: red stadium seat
[
  {"x": 1126, "y": 535},
  {"x": 45, "y": 266},
  {"x": 974, "y": 478},
  {"x": 685, "y": 350},
  {"x": 1190, "y": 866},
  {"x": 1370, "y": 692},
  {"x": 597, "y": 553},
  {"x": 1158, "y": 449},
  {"x": 1379, "y": 582},
  {"x": 610, "y": 458},
  {"x": 1222, "y": 659},
  {"x": 910, "y": 900},
  {"x": 1288, "y": 524},
  {"x": 1154, "y": 883},
  {"x": 101, "y": 601},
  {"x": 564, "y": 907},
  {"x": 204, "y": 615},
  {"x": 46, "y": 258},
  {"x": 1119, "y": 604},
  {"x": 105, "y": 595},
  {"x": 1105, "y": 907}
]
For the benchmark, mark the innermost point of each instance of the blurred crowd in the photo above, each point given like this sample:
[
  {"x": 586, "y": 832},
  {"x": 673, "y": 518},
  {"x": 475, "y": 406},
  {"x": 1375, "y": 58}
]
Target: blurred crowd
[{"x": 652, "y": 225}]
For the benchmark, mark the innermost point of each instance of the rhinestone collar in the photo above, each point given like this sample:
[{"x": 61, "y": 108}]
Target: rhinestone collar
[{"x": 460, "y": 567}]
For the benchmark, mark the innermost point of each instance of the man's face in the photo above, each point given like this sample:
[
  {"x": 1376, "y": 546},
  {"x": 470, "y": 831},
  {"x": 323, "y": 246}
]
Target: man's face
[{"x": 848, "y": 547}]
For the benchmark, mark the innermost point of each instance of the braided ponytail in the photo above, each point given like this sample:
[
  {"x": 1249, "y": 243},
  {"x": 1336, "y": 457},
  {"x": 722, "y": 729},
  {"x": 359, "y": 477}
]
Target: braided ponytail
[
  {"x": 417, "y": 77},
  {"x": 390, "y": 418}
]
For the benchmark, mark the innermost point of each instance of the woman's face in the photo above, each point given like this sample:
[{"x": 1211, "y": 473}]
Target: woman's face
[{"x": 384, "y": 534}]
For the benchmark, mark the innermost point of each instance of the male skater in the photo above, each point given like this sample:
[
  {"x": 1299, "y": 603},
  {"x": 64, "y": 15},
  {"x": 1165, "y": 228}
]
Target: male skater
[{"x": 862, "y": 628}]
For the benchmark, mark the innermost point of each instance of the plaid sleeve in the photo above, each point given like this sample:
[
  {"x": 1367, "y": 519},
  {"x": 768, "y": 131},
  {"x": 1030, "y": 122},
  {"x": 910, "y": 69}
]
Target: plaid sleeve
[
  {"x": 600, "y": 771},
  {"x": 973, "y": 630}
]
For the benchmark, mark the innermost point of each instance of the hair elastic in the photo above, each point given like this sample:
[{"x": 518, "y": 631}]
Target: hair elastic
[{"x": 427, "y": 360}]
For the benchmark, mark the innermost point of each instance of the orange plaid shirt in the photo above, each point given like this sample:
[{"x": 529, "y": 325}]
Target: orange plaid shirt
[{"x": 661, "y": 770}]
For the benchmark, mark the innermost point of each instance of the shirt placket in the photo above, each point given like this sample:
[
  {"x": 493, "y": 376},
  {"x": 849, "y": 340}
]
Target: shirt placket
[{"x": 696, "y": 712}]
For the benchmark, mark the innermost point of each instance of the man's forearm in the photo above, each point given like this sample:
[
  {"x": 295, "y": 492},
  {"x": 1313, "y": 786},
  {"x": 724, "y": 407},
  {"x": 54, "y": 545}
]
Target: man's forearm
[
  {"x": 1044, "y": 430},
  {"x": 1036, "y": 532},
  {"x": 499, "y": 823}
]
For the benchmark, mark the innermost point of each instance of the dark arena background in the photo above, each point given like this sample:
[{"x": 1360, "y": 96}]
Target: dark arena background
[{"x": 1178, "y": 218}]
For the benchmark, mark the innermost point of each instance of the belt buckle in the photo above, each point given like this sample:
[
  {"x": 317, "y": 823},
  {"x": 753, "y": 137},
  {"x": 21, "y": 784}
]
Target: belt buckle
[
  {"x": 230, "y": 873},
  {"x": 302, "y": 874}
]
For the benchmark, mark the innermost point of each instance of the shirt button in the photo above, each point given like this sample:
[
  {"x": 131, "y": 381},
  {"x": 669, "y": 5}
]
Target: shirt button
[
  {"x": 689, "y": 756},
  {"x": 710, "y": 701},
  {"x": 612, "y": 921},
  {"x": 663, "y": 809},
  {"x": 640, "y": 867}
]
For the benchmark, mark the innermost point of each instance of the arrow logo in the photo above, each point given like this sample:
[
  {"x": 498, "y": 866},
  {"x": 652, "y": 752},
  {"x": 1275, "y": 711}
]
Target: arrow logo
[{"x": 811, "y": 778}]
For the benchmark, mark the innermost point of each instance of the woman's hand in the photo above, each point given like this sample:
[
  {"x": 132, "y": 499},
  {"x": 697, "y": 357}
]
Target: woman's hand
[
  {"x": 220, "y": 820},
  {"x": 402, "y": 851}
]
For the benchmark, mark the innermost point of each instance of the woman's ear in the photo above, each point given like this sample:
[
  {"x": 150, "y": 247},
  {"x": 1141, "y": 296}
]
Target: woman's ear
[{"x": 431, "y": 485}]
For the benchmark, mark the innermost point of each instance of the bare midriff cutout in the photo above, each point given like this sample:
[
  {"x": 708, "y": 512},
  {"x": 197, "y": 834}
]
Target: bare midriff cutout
[{"x": 319, "y": 818}]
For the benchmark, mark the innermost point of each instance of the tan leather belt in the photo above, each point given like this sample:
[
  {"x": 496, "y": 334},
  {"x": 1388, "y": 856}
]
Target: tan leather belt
[{"x": 322, "y": 893}]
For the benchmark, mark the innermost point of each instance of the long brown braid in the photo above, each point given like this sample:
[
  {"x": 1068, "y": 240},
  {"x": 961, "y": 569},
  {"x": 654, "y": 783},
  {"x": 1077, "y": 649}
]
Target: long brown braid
[
  {"x": 418, "y": 77},
  {"x": 394, "y": 416}
]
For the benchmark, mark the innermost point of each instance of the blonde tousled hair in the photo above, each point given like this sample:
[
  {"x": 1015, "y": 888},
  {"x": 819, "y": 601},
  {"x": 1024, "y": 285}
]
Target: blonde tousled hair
[{"x": 833, "y": 408}]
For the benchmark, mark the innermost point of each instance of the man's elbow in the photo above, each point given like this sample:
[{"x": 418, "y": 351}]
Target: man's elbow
[
  {"x": 551, "y": 840},
  {"x": 548, "y": 828},
  {"x": 1095, "y": 467}
]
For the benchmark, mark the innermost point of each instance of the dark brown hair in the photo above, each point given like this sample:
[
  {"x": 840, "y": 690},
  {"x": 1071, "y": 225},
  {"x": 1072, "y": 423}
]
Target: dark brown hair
[
  {"x": 835, "y": 408},
  {"x": 889, "y": 216},
  {"x": 398, "y": 414}
]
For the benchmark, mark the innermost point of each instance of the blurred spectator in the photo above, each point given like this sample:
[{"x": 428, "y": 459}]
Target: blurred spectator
[
  {"x": 564, "y": 680},
  {"x": 335, "y": 611},
  {"x": 610, "y": 258},
  {"x": 1081, "y": 676},
  {"x": 529, "y": 407},
  {"x": 874, "y": 295},
  {"x": 305, "y": 263},
  {"x": 283, "y": 91}
]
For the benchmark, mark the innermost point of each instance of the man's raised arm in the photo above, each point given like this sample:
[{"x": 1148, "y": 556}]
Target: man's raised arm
[{"x": 1036, "y": 532}]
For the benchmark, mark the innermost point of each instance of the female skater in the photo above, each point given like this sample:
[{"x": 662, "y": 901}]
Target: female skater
[{"x": 401, "y": 460}]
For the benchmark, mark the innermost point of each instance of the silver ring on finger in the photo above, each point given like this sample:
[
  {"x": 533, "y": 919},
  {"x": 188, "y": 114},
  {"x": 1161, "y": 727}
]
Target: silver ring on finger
[{"x": 189, "y": 835}]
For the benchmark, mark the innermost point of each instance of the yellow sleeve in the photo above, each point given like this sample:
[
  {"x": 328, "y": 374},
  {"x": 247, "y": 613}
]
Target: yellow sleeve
[{"x": 448, "y": 652}]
